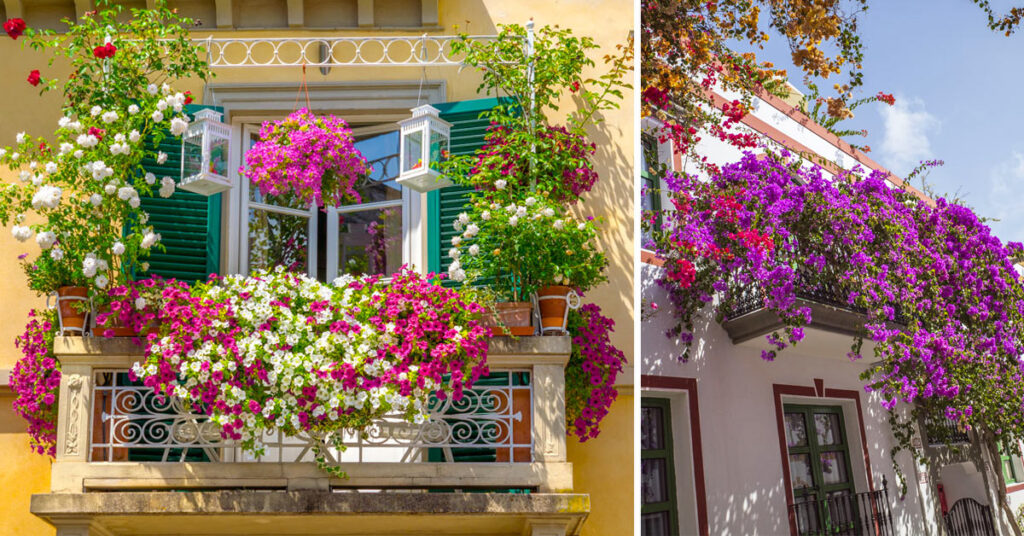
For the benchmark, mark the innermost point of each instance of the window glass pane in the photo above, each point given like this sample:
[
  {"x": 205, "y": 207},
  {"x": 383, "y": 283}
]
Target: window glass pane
[
  {"x": 800, "y": 471},
  {"x": 796, "y": 430},
  {"x": 655, "y": 524},
  {"x": 370, "y": 241},
  {"x": 833, "y": 468},
  {"x": 413, "y": 150},
  {"x": 278, "y": 240},
  {"x": 653, "y": 480},
  {"x": 652, "y": 436},
  {"x": 826, "y": 426}
]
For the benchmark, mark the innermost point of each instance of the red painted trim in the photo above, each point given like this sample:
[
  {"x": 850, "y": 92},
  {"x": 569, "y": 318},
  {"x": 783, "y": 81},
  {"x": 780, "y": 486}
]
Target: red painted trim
[
  {"x": 787, "y": 484},
  {"x": 819, "y": 386},
  {"x": 778, "y": 390},
  {"x": 690, "y": 386},
  {"x": 1013, "y": 488}
]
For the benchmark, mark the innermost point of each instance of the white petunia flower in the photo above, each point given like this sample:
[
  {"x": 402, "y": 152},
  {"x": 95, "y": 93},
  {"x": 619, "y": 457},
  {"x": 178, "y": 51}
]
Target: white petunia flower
[
  {"x": 24, "y": 175},
  {"x": 144, "y": 267},
  {"x": 513, "y": 221},
  {"x": 95, "y": 110},
  {"x": 158, "y": 116},
  {"x": 530, "y": 201},
  {"x": 134, "y": 136},
  {"x": 134, "y": 202},
  {"x": 485, "y": 215},
  {"x": 96, "y": 200},
  {"x": 140, "y": 303},
  {"x": 456, "y": 240},
  {"x": 66, "y": 148},
  {"x": 472, "y": 230},
  {"x": 56, "y": 254},
  {"x": 109, "y": 117},
  {"x": 21, "y": 232},
  {"x": 101, "y": 281},
  {"x": 581, "y": 226},
  {"x": 20, "y": 137},
  {"x": 125, "y": 193},
  {"x": 46, "y": 239},
  {"x": 117, "y": 248},
  {"x": 110, "y": 188},
  {"x": 161, "y": 105},
  {"x": 500, "y": 184},
  {"x": 152, "y": 89},
  {"x": 161, "y": 158},
  {"x": 463, "y": 218},
  {"x": 521, "y": 211},
  {"x": 79, "y": 153},
  {"x": 133, "y": 109},
  {"x": 51, "y": 167},
  {"x": 559, "y": 224},
  {"x": 454, "y": 253},
  {"x": 178, "y": 126},
  {"x": 474, "y": 250},
  {"x": 63, "y": 122},
  {"x": 150, "y": 179},
  {"x": 548, "y": 212}
]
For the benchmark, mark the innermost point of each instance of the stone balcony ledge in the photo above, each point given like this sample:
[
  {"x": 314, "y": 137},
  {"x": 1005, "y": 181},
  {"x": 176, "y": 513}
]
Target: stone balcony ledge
[{"x": 311, "y": 512}]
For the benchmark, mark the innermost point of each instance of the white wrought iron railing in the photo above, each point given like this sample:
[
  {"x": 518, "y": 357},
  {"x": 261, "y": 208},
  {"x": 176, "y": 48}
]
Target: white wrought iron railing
[
  {"x": 492, "y": 422},
  {"x": 371, "y": 51}
]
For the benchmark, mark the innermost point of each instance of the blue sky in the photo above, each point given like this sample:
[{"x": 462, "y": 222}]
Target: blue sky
[{"x": 958, "y": 88}]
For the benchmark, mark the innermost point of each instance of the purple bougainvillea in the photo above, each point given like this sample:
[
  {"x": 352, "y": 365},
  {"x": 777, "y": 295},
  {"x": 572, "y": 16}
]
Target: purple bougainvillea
[{"x": 590, "y": 375}]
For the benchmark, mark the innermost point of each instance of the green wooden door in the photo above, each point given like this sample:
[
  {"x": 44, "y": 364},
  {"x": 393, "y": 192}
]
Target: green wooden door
[
  {"x": 659, "y": 514},
  {"x": 819, "y": 468}
]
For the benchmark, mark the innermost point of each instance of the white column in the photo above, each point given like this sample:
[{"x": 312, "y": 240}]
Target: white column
[
  {"x": 74, "y": 413},
  {"x": 549, "y": 413}
]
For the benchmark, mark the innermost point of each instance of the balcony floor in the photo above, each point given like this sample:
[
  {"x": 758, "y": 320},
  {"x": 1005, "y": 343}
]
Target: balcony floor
[{"x": 250, "y": 512}]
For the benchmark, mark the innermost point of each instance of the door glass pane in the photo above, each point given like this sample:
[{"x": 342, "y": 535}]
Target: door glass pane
[
  {"x": 800, "y": 471},
  {"x": 796, "y": 430},
  {"x": 653, "y": 480},
  {"x": 278, "y": 240},
  {"x": 826, "y": 426},
  {"x": 370, "y": 241},
  {"x": 654, "y": 524},
  {"x": 381, "y": 153},
  {"x": 652, "y": 436},
  {"x": 833, "y": 468}
]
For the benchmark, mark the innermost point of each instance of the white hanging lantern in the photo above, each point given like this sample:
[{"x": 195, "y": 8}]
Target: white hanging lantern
[
  {"x": 424, "y": 146},
  {"x": 204, "y": 154}
]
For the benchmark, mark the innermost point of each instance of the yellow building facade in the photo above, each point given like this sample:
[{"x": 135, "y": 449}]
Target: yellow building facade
[{"x": 601, "y": 467}]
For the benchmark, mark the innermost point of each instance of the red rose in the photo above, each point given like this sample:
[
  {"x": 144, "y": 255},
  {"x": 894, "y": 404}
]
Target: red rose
[
  {"x": 104, "y": 51},
  {"x": 33, "y": 77},
  {"x": 98, "y": 132},
  {"x": 188, "y": 97},
  {"x": 14, "y": 28}
]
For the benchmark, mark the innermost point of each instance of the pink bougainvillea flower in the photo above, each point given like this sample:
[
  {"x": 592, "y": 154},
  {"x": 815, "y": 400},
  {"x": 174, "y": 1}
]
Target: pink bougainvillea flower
[
  {"x": 14, "y": 27},
  {"x": 98, "y": 132}
]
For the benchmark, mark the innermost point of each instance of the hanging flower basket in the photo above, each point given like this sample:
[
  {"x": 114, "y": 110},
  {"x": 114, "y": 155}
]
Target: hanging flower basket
[{"x": 312, "y": 157}]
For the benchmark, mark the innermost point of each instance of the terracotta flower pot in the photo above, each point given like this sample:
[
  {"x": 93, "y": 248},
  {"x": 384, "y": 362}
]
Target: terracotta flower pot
[
  {"x": 70, "y": 315},
  {"x": 510, "y": 318},
  {"x": 113, "y": 327},
  {"x": 553, "y": 302}
]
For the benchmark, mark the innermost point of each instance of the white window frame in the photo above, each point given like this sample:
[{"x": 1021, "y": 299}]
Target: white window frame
[{"x": 363, "y": 101}]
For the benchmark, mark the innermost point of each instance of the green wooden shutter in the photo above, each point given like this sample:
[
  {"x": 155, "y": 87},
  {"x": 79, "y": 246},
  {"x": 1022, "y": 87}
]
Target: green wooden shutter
[
  {"x": 188, "y": 223},
  {"x": 444, "y": 205}
]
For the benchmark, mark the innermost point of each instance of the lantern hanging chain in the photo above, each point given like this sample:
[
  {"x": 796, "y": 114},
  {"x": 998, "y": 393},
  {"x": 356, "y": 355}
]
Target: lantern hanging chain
[
  {"x": 303, "y": 88},
  {"x": 423, "y": 71}
]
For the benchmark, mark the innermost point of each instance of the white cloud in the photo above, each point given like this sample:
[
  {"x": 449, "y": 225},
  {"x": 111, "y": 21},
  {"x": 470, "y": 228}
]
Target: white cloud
[
  {"x": 1007, "y": 182},
  {"x": 907, "y": 127}
]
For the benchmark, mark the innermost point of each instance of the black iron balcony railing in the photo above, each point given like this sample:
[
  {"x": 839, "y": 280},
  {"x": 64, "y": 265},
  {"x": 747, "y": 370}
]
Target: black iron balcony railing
[
  {"x": 942, "y": 431},
  {"x": 827, "y": 297},
  {"x": 844, "y": 514}
]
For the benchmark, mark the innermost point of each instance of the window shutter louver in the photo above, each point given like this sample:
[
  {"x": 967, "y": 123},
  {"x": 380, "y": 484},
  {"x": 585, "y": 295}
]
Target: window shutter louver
[
  {"x": 445, "y": 204},
  {"x": 188, "y": 223}
]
